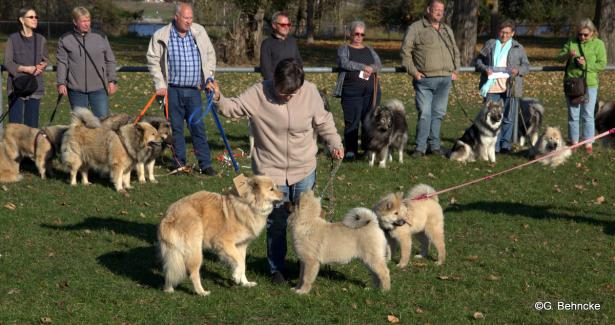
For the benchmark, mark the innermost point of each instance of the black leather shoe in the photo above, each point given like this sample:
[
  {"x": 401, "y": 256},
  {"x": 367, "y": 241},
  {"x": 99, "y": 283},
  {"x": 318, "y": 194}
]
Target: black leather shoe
[
  {"x": 437, "y": 152},
  {"x": 417, "y": 154},
  {"x": 277, "y": 278},
  {"x": 209, "y": 171}
]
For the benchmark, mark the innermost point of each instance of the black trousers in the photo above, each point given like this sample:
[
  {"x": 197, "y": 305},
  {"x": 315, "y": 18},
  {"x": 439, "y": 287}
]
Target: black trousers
[{"x": 356, "y": 102}]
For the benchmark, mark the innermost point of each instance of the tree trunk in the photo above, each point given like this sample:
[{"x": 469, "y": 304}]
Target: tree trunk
[
  {"x": 465, "y": 22},
  {"x": 301, "y": 17},
  {"x": 257, "y": 33},
  {"x": 310, "y": 21},
  {"x": 607, "y": 28},
  {"x": 495, "y": 18}
]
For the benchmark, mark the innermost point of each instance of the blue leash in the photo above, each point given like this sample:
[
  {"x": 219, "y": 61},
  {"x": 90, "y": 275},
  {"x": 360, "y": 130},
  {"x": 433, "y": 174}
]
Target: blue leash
[{"x": 210, "y": 105}]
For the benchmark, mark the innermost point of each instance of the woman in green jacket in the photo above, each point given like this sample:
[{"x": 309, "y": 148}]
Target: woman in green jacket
[{"x": 591, "y": 57}]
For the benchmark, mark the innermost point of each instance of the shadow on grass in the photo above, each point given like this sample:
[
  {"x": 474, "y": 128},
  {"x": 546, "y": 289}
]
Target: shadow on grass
[
  {"x": 536, "y": 212},
  {"x": 143, "y": 231}
]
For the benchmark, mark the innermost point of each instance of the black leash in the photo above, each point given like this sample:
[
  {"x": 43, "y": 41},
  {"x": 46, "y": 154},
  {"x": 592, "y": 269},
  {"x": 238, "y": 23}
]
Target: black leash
[
  {"x": 53, "y": 114},
  {"x": 458, "y": 101},
  {"x": 335, "y": 165}
]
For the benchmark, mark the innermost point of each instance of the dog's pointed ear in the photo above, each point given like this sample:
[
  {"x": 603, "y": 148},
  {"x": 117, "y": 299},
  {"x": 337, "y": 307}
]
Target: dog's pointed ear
[
  {"x": 139, "y": 128},
  {"x": 248, "y": 194}
]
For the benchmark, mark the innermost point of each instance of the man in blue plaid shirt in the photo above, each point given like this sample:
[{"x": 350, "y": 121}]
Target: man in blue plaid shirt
[{"x": 180, "y": 58}]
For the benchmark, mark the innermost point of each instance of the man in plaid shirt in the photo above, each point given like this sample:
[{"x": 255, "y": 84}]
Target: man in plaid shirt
[{"x": 180, "y": 58}]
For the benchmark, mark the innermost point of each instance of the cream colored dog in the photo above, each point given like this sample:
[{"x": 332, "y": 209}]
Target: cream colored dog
[
  {"x": 317, "y": 242},
  {"x": 548, "y": 142},
  {"x": 423, "y": 217},
  {"x": 225, "y": 224}
]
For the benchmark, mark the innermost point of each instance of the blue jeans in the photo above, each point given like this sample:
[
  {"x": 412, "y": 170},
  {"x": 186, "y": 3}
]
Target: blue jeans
[
  {"x": 182, "y": 103},
  {"x": 98, "y": 100},
  {"x": 24, "y": 111},
  {"x": 586, "y": 112},
  {"x": 431, "y": 102},
  {"x": 278, "y": 219},
  {"x": 504, "y": 140}
]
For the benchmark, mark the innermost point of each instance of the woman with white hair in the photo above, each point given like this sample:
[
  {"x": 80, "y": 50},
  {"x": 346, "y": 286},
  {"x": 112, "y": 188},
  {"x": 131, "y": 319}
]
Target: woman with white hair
[
  {"x": 358, "y": 65},
  {"x": 585, "y": 57}
]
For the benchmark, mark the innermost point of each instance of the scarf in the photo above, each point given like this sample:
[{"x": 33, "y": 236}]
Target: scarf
[{"x": 499, "y": 52}]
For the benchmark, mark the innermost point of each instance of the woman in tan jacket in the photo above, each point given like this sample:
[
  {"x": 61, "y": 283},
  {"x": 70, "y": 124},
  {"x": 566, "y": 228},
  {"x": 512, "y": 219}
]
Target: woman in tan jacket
[{"x": 285, "y": 113}]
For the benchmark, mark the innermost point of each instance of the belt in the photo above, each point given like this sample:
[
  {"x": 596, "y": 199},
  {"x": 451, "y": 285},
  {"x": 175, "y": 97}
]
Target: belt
[{"x": 186, "y": 87}]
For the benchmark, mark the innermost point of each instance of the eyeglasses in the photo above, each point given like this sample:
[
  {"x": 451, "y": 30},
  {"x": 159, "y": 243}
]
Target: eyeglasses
[
  {"x": 31, "y": 17},
  {"x": 359, "y": 34},
  {"x": 584, "y": 34},
  {"x": 287, "y": 25}
]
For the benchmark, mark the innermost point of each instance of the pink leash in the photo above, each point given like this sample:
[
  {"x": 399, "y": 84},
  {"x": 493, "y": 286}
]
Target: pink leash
[{"x": 488, "y": 177}]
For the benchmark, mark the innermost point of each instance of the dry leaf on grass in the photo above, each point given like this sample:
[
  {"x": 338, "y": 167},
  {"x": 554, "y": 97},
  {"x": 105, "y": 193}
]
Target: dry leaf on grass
[
  {"x": 473, "y": 258},
  {"x": 392, "y": 319},
  {"x": 10, "y": 206},
  {"x": 492, "y": 277},
  {"x": 478, "y": 315},
  {"x": 419, "y": 264},
  {"x": 13, "y": 291},
  {"x": 4, "y": 188},
  {"x": 600, "y": 199},
  {"x": 419, "y": 310},
  {"x": 45, "y": 320}
]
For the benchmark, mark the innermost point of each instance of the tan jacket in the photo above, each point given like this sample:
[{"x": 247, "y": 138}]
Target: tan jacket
[
  {"x": 284, "y": 143},
  {"x": 157, "y": 62},
  {"x": 429, "y": 51}
]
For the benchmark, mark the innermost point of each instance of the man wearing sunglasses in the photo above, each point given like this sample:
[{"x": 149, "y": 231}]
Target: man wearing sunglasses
[{"x": 279, "y": 46}]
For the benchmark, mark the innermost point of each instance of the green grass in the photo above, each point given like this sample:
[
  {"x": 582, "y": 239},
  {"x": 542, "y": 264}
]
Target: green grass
[{"x": 88, "y": 255}]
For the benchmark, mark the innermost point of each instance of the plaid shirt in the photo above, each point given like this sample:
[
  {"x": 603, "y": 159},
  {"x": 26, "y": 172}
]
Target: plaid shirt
[{"x": 184, "y": 60}]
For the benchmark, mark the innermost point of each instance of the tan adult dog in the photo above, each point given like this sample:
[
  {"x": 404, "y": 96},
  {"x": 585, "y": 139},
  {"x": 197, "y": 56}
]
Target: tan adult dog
[
  {"x": 225, "y": 224},
  {"x": 317, "y": 242},
  {"x": 20, "y": 141},
  {"x": 88, "y": 145},
  {"x": 166, "y": 134},
  {"x": 423, "y": 218}
]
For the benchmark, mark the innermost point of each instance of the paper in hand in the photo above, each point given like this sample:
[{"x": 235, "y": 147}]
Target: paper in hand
[
  {"x": 362, "y": 75},
  {"x": 499, "y": 75}
]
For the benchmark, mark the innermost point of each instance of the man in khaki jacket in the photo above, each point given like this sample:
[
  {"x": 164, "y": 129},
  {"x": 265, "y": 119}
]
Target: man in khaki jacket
[
  {"x": 180, "y": 58},
  {"x": 285, "y": 112},
  {"x": 431, "y": 57}
]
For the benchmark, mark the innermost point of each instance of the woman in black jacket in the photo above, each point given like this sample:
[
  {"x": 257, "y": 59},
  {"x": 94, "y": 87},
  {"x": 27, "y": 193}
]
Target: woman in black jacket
[{"x": 26, "y": 54}]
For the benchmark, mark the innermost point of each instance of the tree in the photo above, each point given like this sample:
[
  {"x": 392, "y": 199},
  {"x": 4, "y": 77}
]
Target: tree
[
  {"x": 607, "y": 27},
  {"x": 465, "y": 22},
  {"x": 243, "y": 37},
  {"x": 310, "y": 21}
]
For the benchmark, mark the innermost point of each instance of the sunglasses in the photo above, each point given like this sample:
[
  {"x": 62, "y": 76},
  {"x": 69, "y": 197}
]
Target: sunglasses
[
  {"x": 31, "y": 17},
  {"x": 584, "y": 34},
  {"x": 359, "y": 34},
  {"x": 288, "y": 25}
]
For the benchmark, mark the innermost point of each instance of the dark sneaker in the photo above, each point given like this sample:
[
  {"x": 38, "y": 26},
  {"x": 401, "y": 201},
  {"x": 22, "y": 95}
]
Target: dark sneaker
[
  {"x": 417, "y": 154},
  {"x": 505, "y": 151},
  {"x": 209, "y": 171},
  {"x": 277, "y": 278},
  {"x": 350, "y": 156},
  {"x": 438, "y": 152}
]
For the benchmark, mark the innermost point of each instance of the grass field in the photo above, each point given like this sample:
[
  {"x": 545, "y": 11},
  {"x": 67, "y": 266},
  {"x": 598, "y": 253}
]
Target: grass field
[{"x": 88, "y": 255}]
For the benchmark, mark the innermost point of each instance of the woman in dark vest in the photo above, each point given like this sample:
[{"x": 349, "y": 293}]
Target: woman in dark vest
[
  {"x": 26, "y": 53},
  {"x": 358, "y": 65}
]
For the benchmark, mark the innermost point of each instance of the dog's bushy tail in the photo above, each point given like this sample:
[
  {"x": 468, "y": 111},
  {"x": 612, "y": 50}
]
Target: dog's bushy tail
[
  {"x": 85, "y": 117},
  {"x": 422, "y": 189},
  {"x": 359, "y": 217},
  {"x": 172, "y": 249},
  {"x": 395, "y": 105}
]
